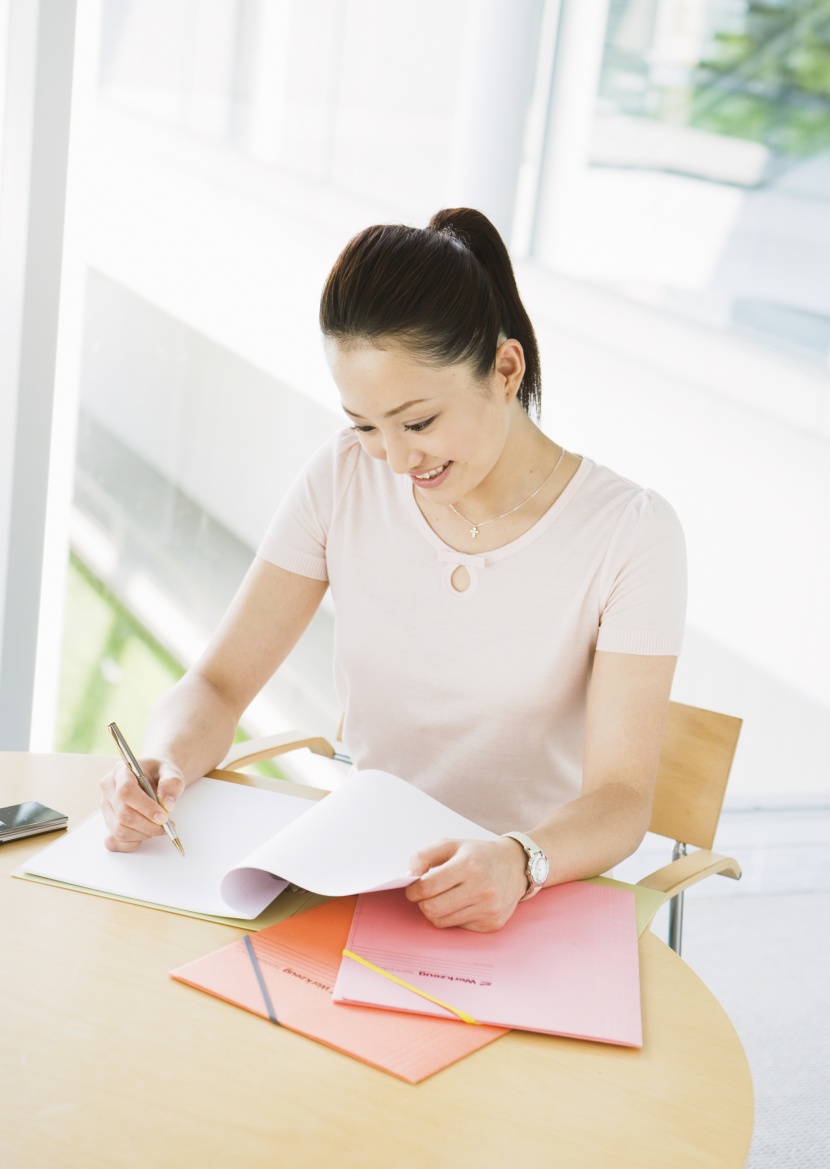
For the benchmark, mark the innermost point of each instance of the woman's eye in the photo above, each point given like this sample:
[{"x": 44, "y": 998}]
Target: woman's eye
[
  {"x": 419, "y": 426},
  {"x": 363, "y": 429}
]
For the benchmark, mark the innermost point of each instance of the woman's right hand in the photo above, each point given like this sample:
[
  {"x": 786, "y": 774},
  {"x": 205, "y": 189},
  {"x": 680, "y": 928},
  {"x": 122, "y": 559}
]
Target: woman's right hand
[{"x": 130, "y": 815}]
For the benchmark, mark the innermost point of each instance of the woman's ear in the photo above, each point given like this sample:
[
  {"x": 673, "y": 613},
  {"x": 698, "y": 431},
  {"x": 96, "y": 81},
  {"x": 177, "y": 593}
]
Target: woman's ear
[{"x": 510, "y": 367}]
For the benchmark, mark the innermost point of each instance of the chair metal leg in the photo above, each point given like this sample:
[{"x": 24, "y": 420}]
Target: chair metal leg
[{"x": 676, "y": 906}]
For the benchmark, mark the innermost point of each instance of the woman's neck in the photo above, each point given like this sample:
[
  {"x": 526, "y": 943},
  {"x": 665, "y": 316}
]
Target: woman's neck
[
  {"x": 528, "y": 479},
  {"x": 527, "y": 460}
]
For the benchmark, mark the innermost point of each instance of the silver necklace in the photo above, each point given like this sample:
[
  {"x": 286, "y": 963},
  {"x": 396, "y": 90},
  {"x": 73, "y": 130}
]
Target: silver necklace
[{"x": 475, "y": 528}]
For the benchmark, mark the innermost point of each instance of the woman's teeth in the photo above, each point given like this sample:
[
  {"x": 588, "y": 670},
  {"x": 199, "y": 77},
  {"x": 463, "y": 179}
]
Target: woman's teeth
[{"x": 433, "y": 474}]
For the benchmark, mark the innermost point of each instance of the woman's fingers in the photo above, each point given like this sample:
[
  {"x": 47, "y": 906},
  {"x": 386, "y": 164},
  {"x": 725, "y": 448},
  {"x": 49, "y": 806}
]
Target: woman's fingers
[
  {"x": 469, "y": 883},
  {"x": 130, "y": 815},
  {"x": 170, "y": 785}
]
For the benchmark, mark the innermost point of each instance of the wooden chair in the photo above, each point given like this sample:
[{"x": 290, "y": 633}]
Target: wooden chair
[{"x": 695, "y": 761}]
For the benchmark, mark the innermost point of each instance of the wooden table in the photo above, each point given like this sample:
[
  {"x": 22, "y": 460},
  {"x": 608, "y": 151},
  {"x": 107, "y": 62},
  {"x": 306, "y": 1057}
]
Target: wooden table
[{"x": 106, "y": 1062}]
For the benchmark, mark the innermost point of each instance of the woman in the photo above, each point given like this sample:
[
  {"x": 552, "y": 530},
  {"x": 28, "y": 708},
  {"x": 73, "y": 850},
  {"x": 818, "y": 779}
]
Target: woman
[{"x": 508, "y": 613}]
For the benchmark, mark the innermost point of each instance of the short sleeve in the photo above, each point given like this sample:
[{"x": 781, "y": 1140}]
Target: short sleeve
[
  {"x": 644, "y": 581},
  {"x": 297, "y": 535}
]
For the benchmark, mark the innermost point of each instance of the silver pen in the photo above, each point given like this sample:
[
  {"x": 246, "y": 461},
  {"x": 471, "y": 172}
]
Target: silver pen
[{"x": 134, "y": 766}]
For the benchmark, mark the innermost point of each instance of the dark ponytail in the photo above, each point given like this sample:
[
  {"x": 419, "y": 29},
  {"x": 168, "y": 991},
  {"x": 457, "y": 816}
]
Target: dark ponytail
[{"x": 446, "y": 291}]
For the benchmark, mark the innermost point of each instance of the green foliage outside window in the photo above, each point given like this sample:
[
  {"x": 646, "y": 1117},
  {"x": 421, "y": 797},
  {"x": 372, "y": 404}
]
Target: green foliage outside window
[
  {"x": 763, "y": 75},
  {"x": 770, "y": 82},
  {"x": 112, "y": 670}
]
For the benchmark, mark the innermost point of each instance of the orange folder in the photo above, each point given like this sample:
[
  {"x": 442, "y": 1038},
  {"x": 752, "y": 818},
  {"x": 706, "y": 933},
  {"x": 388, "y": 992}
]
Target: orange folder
[{"x": 286, "y": 973}]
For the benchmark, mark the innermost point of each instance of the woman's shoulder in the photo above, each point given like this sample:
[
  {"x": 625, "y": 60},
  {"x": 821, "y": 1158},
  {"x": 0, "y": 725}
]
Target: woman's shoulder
[
  {"x": 340, "y": 447},
  {"x": 341, "y": 458},
  {"x": 604, "y": 487},
  {"x": 337, "y": 467},
  {"x": 618, "y": 514},
  {"x": 333, "y": 460},
  {"x": 307, "y": 510}
]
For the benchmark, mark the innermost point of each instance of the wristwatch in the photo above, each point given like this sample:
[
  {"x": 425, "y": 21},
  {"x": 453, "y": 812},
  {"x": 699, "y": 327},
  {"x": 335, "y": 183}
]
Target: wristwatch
[{"x": 538, "y": 865}]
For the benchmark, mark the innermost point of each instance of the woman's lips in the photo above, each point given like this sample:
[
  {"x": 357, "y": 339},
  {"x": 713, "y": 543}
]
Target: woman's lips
[{"x": 436, "y": 481}]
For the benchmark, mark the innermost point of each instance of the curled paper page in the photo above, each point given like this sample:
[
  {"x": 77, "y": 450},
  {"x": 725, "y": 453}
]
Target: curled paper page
[{"x": 358, "y": 839}]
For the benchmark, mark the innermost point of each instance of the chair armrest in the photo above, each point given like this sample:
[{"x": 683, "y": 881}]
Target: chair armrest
[
  {"x": 688, "y": 870},
  {"x": 266, "y": 747}
]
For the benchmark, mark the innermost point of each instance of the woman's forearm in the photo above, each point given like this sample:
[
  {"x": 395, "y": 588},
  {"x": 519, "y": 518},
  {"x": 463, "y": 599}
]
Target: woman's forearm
[
  {"x": 192, "y": 726},
  {"x": 592, "y": 833},
  {"x": 627, "y": 703}
]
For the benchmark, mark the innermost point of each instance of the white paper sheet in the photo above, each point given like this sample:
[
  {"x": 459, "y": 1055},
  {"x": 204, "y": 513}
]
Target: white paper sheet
[
  {"x": 358, "y": 839},
  {"x": 238, "y": 839},
  {"x": 218, "y": 824}
]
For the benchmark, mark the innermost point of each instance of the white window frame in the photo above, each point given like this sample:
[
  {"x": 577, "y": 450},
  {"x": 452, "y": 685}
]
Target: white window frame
[{"x": 39, "y": 50}]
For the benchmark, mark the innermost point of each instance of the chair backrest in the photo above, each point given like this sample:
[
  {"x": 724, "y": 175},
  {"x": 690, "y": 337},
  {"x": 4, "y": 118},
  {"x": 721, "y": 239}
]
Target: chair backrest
[{"x": 698, "y": 749}]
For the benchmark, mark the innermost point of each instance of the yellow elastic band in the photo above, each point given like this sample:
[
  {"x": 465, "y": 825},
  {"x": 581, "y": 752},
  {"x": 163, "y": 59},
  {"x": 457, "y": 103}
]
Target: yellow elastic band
[{"x": 465, "y": 1018}]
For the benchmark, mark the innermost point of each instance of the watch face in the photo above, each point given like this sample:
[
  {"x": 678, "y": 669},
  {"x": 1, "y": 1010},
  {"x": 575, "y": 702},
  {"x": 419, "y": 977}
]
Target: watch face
[{"x": 539, "y": 869}]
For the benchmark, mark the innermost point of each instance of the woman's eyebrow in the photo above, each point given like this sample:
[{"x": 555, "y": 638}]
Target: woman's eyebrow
[{"x": 391, "y": 413}]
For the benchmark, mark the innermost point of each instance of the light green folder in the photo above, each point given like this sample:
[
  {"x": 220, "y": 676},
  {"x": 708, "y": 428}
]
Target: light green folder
[{"x": 646, "y": 901}]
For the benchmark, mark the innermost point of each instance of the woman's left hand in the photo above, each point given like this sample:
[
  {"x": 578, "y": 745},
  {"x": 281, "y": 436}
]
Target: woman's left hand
[{"x": 471, "y": 883}]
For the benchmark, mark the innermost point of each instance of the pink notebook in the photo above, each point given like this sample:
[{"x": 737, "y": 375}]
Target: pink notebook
[{"x": 565, "y": 964}]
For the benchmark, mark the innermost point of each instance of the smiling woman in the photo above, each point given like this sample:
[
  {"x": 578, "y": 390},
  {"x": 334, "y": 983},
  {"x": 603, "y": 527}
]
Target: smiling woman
[
  {"x": 468, "y": 442},
  {"x": 436, "y": 360},
  {"x": 508, "y": 613}
]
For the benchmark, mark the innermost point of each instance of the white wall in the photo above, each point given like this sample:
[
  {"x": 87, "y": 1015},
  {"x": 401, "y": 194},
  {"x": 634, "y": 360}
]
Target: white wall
[{"x": 228, "y": 434}]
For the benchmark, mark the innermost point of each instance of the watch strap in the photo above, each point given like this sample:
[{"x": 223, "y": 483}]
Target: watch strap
[{"x": 533, "y": 851}]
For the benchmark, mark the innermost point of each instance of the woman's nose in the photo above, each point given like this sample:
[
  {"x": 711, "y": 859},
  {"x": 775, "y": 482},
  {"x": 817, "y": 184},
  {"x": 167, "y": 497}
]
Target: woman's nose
[{"x": 401, "y": 455}]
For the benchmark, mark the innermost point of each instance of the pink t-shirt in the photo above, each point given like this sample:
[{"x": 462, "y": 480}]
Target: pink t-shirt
[{"x": 478, "y": 697}]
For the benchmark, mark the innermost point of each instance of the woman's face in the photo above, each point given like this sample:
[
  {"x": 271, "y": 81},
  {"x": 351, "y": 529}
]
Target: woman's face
[{"x": 437, "y": 424}]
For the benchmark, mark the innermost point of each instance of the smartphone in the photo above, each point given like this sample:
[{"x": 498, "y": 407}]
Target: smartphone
[{"x": 28, "y": 819}]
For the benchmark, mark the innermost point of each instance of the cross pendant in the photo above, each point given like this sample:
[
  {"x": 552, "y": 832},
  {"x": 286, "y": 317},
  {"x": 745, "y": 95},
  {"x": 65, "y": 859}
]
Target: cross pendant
[{"x": 474, "y": 531}]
